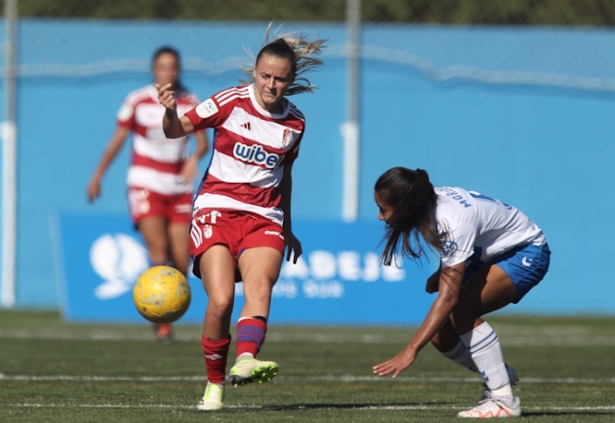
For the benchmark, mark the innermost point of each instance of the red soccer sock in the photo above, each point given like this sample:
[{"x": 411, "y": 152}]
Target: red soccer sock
[
  {"x": 250, "y": 335},
  {"x": 216, "y": 353},
  {"x": 164, "y": 330}
]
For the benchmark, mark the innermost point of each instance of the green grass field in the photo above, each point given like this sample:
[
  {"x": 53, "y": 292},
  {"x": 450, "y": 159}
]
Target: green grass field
[{"x": 52, "y": 371}]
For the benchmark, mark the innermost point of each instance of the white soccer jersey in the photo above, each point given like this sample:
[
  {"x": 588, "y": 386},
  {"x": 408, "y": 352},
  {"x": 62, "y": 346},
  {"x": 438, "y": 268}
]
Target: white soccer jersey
[
  {"x": 251, "y": 147},
  {"x": 482, "y": 225},
  {"x": 156, "y": 160}
]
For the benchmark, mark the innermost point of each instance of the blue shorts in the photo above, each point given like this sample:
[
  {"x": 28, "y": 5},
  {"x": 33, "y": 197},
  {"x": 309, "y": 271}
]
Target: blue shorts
[{"x": 525, "y": 265}]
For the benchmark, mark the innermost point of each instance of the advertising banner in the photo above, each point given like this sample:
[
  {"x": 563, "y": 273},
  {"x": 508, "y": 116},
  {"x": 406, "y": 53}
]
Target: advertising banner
[{"x": 338, "y": 280}]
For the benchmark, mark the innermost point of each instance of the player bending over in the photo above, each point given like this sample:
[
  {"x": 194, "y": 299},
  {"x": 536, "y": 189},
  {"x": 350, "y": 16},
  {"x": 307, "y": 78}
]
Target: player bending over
[{"x": 491, "y": 256}]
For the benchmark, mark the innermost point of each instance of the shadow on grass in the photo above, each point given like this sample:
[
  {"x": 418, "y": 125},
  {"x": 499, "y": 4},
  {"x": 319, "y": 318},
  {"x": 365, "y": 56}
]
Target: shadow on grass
[{"x": 596, "y": 413}]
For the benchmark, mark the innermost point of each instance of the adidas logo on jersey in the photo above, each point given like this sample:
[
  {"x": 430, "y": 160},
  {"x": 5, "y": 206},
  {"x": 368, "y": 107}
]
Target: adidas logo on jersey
[
  {"x": 246, "y": 125},
  {"x": 256, "y": 154}
]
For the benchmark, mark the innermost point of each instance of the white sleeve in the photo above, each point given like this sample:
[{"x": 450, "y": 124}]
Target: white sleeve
[{"x": 460, "y": 244}]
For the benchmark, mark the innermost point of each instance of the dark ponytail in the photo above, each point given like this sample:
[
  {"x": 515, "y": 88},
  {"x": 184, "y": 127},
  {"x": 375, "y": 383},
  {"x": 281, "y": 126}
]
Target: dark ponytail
[{"x": 298, "y": 50}]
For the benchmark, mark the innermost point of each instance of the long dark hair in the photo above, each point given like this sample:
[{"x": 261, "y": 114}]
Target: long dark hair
[
  {"x": 179, "y": 87},
  {"x": 412, "y": 197}
]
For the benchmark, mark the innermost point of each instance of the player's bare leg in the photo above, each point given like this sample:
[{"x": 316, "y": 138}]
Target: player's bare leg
[
  {"x": 154, "y": 232},
  {"x": 217, "y": 267},
  {"x": 260, "y": 268},
  {"x": 179, "y": 241}
]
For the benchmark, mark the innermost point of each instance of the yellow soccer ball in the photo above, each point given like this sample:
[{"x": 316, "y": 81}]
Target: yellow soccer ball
[{"x": 161, "y": 294}]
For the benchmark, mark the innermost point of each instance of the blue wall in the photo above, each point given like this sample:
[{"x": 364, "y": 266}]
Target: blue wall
[
  {"x": 337, "y": 280},
  {"x": 539, "y": 142}
]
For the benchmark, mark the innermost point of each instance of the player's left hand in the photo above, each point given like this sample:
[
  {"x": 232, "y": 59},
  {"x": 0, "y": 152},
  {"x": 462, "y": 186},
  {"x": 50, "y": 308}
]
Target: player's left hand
[
  {"x": 397, "y": 364},
  {"x": 293, "y": 246}
]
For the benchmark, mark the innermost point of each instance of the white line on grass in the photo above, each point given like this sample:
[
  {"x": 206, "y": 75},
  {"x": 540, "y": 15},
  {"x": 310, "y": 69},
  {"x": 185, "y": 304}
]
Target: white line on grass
[
  {"x": 301, "y": 407},
  {"x": 543, "y": 337},
  {"x": 330, "y": 378}
]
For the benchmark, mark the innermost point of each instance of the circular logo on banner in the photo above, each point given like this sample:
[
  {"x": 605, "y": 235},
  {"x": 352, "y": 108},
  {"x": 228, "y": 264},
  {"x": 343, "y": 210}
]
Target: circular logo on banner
[{"x": 118, "y": 259}]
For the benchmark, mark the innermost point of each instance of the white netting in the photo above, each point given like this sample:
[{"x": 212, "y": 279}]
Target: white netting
[{"x": 71, "y": 38}]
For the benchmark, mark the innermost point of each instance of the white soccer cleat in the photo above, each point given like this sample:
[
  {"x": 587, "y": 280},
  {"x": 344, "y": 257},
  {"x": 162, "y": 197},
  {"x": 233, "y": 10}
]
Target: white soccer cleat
[
  {"x": 252, "y": 370},
  {"x": 492, "y": 408},
  {"x": 212, "y": 399}
]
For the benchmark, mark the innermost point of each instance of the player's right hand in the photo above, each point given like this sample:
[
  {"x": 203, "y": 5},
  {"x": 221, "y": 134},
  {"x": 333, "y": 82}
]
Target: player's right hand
[
  {"x": 166, "y": 96},
  {"x": 397, "y": 364},
  {"x": 433, "y": 283},
  {"x": 93, "y": 191}
]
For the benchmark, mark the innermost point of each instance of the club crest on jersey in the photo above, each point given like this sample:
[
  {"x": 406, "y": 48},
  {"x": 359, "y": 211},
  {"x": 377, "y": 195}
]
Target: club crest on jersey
[
  {"x": 450, "y": 248},
  {"x": 286, "y": 137},
  {"x": 256, "y": 154}
]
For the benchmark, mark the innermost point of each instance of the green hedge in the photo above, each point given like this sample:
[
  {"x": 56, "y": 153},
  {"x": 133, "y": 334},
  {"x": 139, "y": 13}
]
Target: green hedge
[{"x": 496, "y": 12}]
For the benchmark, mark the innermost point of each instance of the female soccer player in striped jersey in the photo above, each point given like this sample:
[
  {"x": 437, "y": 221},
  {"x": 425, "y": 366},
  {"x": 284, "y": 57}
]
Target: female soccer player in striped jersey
[
  {"x": 491, "y": 256},
  {"x": 241, "y": 214},
  {"x": 160, "y": 177}
]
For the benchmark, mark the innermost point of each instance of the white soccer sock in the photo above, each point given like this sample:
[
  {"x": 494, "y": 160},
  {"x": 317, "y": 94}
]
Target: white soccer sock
[
  {"x": 485, "y": 349},
  {"x": 461, "y": 355}
]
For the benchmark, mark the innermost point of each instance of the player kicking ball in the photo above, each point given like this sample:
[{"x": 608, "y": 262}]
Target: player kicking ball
[
  {"x": 241, "y": 220},
  {"x": 491, "y": 255}
]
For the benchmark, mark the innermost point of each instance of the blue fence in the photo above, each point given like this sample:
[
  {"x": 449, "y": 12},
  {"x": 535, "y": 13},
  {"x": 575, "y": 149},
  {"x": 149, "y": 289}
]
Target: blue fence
[{"x": 539, "y": 144}]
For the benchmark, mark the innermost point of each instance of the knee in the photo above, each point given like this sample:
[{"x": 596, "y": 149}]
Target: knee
[
  {"x": 436, "y": 342},
  {"x": 258, "y": 290},
  {"x": 463, "y": 320},
  {"x": 219, "y": 307},
  {"x": 444, "y": 342},
  {"x": 157, "y": 248}
]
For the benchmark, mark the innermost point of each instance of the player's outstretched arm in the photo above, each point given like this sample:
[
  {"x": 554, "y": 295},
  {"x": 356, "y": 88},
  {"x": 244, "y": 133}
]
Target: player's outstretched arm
[
  {"x": 114, "y": 146},
  {"x": 172, "y": 125},
  {"x": 448, "y": 295}
]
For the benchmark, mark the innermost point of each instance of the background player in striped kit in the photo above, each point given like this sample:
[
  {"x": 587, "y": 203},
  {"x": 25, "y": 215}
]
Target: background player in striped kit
[
  {"x": 242, "y": 217},
  {"x": 491, "y": 256},
  {"x": 160, "y": 177}
]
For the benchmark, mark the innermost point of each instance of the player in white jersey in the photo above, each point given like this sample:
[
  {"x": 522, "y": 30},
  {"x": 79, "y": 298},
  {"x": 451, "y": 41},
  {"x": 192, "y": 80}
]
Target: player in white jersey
[
  {"x": 241, "y": 214},
  {"x": 160, "y": 177},
  {"x": 491, "y": 255}
]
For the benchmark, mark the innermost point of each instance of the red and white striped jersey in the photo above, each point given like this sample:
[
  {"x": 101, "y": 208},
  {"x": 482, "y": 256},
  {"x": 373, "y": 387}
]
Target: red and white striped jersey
[
  {"x": 251, "y": 148},
  {"x": 156, "y": 160}
]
